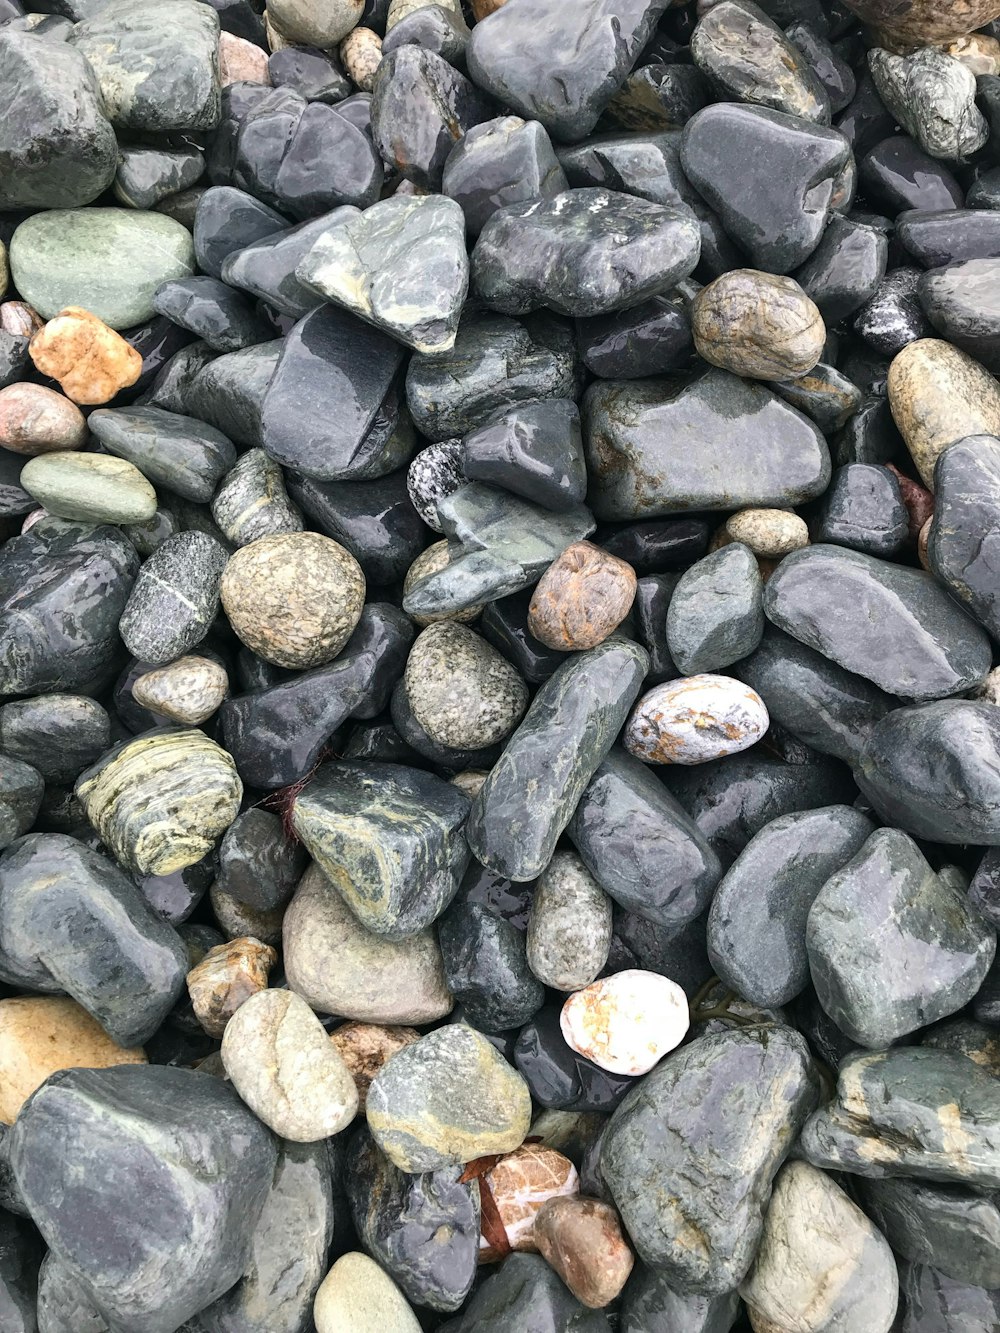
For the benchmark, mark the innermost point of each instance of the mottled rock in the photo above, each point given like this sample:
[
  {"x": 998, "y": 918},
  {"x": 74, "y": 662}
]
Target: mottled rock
[
  {"x": 365, "y": 1047},
  {"x": 175, "y": 598},
  {"x": 581, "y": 599},
  {"x": 251, "y": 501},
  {"x": 187, "y": 691},
  {"x": 226, "y": 978},
  {"x": 770, "y": 533},
  {"x": 757, "y": 325},
  {"x": 520, "y": 1184},
  {"x": 314, "y": 24},
  {"x": 361, "y": 54},
  {"x": 569, "y": 928},
  {"x": 694, "y": 719},
  {"x": 36, "y": 420},
  {"x": 933, "y": 97},
  {"x": 894, "y": 316},
  {"x": 89, "y": 360},
  {"x": 461, "y": 690},
  {"x": 626, "y": 1023},
  {"x": 923, "y": 21}
]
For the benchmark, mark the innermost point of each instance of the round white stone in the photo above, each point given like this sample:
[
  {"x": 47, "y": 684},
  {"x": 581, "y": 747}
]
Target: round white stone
[
  {"x": 694, "y": 720},
  {"x": 626, "y": 1023}
]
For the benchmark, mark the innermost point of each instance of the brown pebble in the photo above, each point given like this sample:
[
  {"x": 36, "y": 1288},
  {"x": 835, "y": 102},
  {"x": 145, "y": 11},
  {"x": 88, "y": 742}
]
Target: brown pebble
[
  {"x": 91, "y": 362},
  {"x": 582, "y": 1240},
  {"x": 582, "y": 597},
  {"x": 917, "y": 499},
  {"x": 365, "y": 1047},
  {"x": 241, "y": 61},
  {"x": 36, "y": 420},
  {"x": 520, "y": 1183},
  {"x": 294, "y": 598},
  {"x": 226, "y": 978},
  {"x": 923, "y": 22},
  {"x": 923, "y": 536},
  {"x": 482, "y": 9},
  {"x": 20, "y": 319},
  {"x": 758, "y": 325},
  {"x": 361, "y": 55}
]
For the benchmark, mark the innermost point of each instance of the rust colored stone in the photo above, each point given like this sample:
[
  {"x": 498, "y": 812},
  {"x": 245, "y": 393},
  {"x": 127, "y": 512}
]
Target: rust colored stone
[
  {"x": 241, "y": 61},
  {"x": 581, "y": 598},
  {"x": 582, "y": 1240},
  {"x": 365, "y": 1047},
  {"x": 925, "y": 22},
  {"x": 36, "y": 420},
  {"x": 90, "y": 361},
  {"x": 918, "y": 500},
  {"x": 520, "y": 1183},
  {"x": 482, "y": 9},
  {"x": 226, "y": 978}
]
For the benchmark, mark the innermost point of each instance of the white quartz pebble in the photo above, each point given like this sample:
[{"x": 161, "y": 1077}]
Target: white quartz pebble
[{"x": 626, "y": 1023}]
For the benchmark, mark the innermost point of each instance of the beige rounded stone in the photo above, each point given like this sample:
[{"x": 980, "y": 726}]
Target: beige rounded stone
[
  {"x": 241, "y": 61},
  {"x": 321, "y": 23},
  {"x": 770, "y": 533},
  {"x": 90, "y": 361},
  {"x": 365, "y": 1047},
  {"x": 521, "y": 1182},
  {"x": 977, "y": 52},
  {"x": 293, "y": 598},
  {"x": 939, "y": 396},
  {"x": 226, "y": 977},
  {"x": 361, "y": 55},
  {"x": 36, "y": 420},
  {"x": 428, "y": 562},
  {"x": 237, "y": 919},
  {"x": 188, "y": 690},
  {"x": 922, "y": 22},
  {"x": 20, "y": 319},
  {"x": 276, "y": 40},
  {"x": 461, "y": 690},
  {"x": 357, "y": 1296},
  {"x": 582, "y": 1240},
  {"x": 626, "y": 1023},
  {"x": 923, "y": 538},
  {"x": 758, "y": 325},
  {"x": 581, "y": 599},
  {"x": 280, "y": 1060},
  {"x": 471, "y": 781},
  {"x": 42, "y": 1034}
]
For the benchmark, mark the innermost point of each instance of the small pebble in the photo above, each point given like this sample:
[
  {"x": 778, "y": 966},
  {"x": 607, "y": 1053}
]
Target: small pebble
[
  {"x": 769, "y": 533},
  {"x": 581, "y": 599},
  {"x": 365, "y": 1047},
  {"x": 694, "y": 720},
  {"x": 627, "y": 1022},
  {"x": 582, "y": 1240},
  {"x": 90, "y": 361},
  {"x": 225, "y": 978},
  {"x": 435, "y": 473},
  {"x": 188, "y": 690},
  {"x": 241, "y": 61},
  {"x": 361, "y": 55},
  {"x": 36, "y": 420},
  {"x": 461, "y": 690}
]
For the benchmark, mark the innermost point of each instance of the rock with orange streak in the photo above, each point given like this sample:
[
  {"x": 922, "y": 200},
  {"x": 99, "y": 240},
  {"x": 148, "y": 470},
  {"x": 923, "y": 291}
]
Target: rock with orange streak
[
  {"x": 226, "y": 978},
  {"x": 581, "y": 599},
  {"x": 520, "y": 1184}
]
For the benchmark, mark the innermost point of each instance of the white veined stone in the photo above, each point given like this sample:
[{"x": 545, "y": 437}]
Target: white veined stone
[
  {"x": 626, "y": 1023},
  {"x": 695, "y": 719}
]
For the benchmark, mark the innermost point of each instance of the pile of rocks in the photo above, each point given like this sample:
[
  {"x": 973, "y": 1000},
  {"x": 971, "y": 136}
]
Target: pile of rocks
[{"x": 499, "y": 733}]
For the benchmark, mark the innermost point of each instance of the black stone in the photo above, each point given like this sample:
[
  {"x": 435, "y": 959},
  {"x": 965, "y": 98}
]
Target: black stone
[
  {"x": 147, "y": 175},
  {"x": 936, "y": 239},
  {"x": 532, "y": 449},
  {"x": 212, "y": 311},
  {"x": 177, "y": 452},
  {"x": 21, "y": 790},
  {"x": 59, "y": 734},
  {"x": 174, "y": 897},
  {"x": 262, "y": 138},
  {"x": 824, "y": 395},
  {"x": 315, "y": 75},
  {"x": 961, "y": 303},
  {"x": 650, "y": 1304},
  {"x": 897, "y": 175},
  {"x": 500, "y": 162},
  {"x": 658, "y": 97},
  {"x": 677, "y": 952},
  {"x": 984, "y": 890},
  {"x": 505, "y": 624},
  {"x": 13, "y": 359},
  {"x": 258, "y": 864},
  {"x": 844, "y": 271},
  {"x": 486, "y": 969},
  {"x": 434, "y": 28},
  {"x": 964, "y": 544},
  {"x": 833, "y": 73},
  {"x": 524, "y": 1292},
  {"x": 652, "y": 597},
  {"x": 558, "y": 1077},
  {"x": 229, "y": 391},
  {"x": 933, "y": 1303},
  {"x": 175, "y": 377},
  {"x": 894, "y": 316},
  {"x": 328, "y": 162},
  {"x": 266, "y": 266},
  {"x": 651, "y": 338},
  {"x": 863, "y": 510}
]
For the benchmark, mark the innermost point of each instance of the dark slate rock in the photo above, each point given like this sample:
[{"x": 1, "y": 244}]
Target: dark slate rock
[
  {"x": 584, "y": 252},
  {"x": 558, "y": 1077},
  {"x": 263, "y": 133},
  {"x": 716, "y": 615},
  {"x": 433, "y": 27},
  {"x": 374, "y": 520},
  {"x": 532, "y": 449},
  {"x": 940, "y": 238},
  {"x": 505, "y": 624},
  {"x": 893, "y": 625},
  {"x": 59, "y": 734},
  {"x": 835, "y": 74},
  {"x": 648, "y": 339},
  {"x": 228, "y": 392},
  {"x": 886, "y": 902},
  {"x": 184, "y": 1170},
  {"x": 174, "y": 897},
  {"x": 658, "y": 546},
  {"x": 158, "y": 67},
  {"x": 378, "y": 740},
  {"x": 71, "y": 921},
  {"x": 984, "y": 889},
  {"x": 933, "y": 1303},
  {"x": 910, "y": 1111},
  {"x": 560, "y": 67},
  {"x": 897, "y": 175},
  {"x": 708, "y": 441},
  {"x": 314, "y": 75},
  {"x": 732, "y": 799},
  {"x": 863, "y": 510},
  {"x": 961, "y": 304},
  {"x": 20, "y": 1254},
  {"x": 251, "y": 501},
  {"x": 266, "y": 267},
  {"x": 652, "y": 597},
  {"x": 288, "y": 1249},
  {"x": 391, "y": 839},
  {"x": 650, "y": 1304},
  {"x": 757, "y": 923},
  {"x": 824, "y": 395},
  {"x": 147, "y": 175},
  {"x": 501, "y": 544},
  {"x": 826, "y": 707},
  {"x": 177, "y": 452},
  {"x": 212, "y": 311},
  {"x": 277, "y": 734},
  {"x": 778, "y": 212},
  {"x": 57, "y": 149},
  {"x": 329, "y": 162},
  {"x": 697, "y": 1145},
  {"x": 13, "y": 359},
  {"x": 677, "y": 952},
  {"x": 500, "y": 162},
  {"x": 524, "y": 1292},
  {"x": 420, "y": 107},
  {"x": 423, "y": 1229},
  {"x": 21, "y": 790},
  {"x": 573, "y": 721},
  {"x": 984, "y": 192},
  {"x": 870, "y": 436},
  {"x": 894, "y": 316},
  {"x": 931, "y": 769},
  {"x": 495, "y": 362},
  {"x": 641, "y": 846},
  {"x": 174, "y": 378},
  {"x": 236, "y": 103},
  {"x": 63, "y": 587},
  {"x": 320, "y": 414},
  {"x": 844, "y": 271},
  {"x": 258, "y": 864},
  {"x": 658, "y": 97},
  {"x": 175, "y": 598},
  {"x": 486, "y": 969},
  {"x": 955, "y": 1230},
  {"x": 64, "y": 1305}
]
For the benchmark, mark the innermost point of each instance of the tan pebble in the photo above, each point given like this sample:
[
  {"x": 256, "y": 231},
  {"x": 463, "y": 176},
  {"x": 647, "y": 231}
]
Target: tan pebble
[
  {"x": 294, "y": 598},
  {"x": 226, "y": 977},
  {"x": 237, "y": 919},
  {"x": 365, "y": 1047},
  {"x": 42, "y": 1034},
  {"x": 91, "y": 362},
  {"x": 758, "y": 325},
  {"x": 482, "y": 9},
  {"x": 357, "y": 1296},
  {"x": 471, "y": 781},
  {"x": 581, "y": 599},
  {"x": 241, "y": 61},
  {"x": 917, "y": 499},
  {"x": 626, "y": 1023},
  {"x": 920, "y": 22},
  {"x": 428, "y": 562},
  {"x": 20, "y": 319},
  {"x": 4, "y": 269},
  {"x": 36, "y": 420},
  {"x": 771, "y": 533},
  {"x": 188, "y": 690},
  {"x": 582, "y": 1240},
  {"x": 938, "y": 396},
  {"x": 923, "y": 537},
  {"x": 520, "y": 1183},
  {"x": 401, "y": 9},
  {"x": 977, "y": 52},
  {"x": 361, "y": 55}
]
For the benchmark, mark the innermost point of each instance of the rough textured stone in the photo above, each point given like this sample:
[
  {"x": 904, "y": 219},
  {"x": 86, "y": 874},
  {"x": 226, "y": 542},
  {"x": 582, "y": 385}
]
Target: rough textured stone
[
  {"x": 757, "y": 325},
  {"x": 933, "y": 97},
  {"x": 187, "y": 691},
  {"x": 251, "y": 501},
  {"x": 365, "y": 1047},
  {"x": 461, "y": 690},
  {"x": 569, "y": 928},
  {"x": 36, "y": 420},
  {"x": 695, "y": 719},
  {"x": 90, "y": 362},
  {"x": 175, "y": 598},
  {"x": 226, "y": 978},
  {"x": 581, "y": 599}
]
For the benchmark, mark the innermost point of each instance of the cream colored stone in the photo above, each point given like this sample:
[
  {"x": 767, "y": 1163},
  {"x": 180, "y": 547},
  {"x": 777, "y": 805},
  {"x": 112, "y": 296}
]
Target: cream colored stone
[
  {"x": 361, "y": 55},
  {"x": 401, "y": 9},
  {"x": 626, "y": 1023},
  {"x": 770, "y": 533},
  {"x": 241, "y": 61},
  {"x": 19, "y": 318},
  {"x": 977, "y": 52},
  {"x": 695, "y": 719},
  {"x": 40, "y": 1034},
  {"x": 357, "y": 1296},
  {"x": 471, "y": 781},
  {"x": 188, "y": 690},
  {"x": 91, "y": 362}
]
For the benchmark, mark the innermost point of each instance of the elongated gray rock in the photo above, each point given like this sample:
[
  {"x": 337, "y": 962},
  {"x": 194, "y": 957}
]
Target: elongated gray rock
[
  {"x": 911, "y": 1111},
  {"x": 180, "y": 453},
  {"x": 757, "y": 922},
  {"x": 531, "y": 792},
  {"x": 893, "y": 625},
  {"x": 716, "y": 615},
  {"x": 175, "y": 598},
  {"x": 167, "y": 1157},
  {"x": 690, "y": 1154},
  {"x": 963, "y": 542},
  {"x": 706, "y": 441}
]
